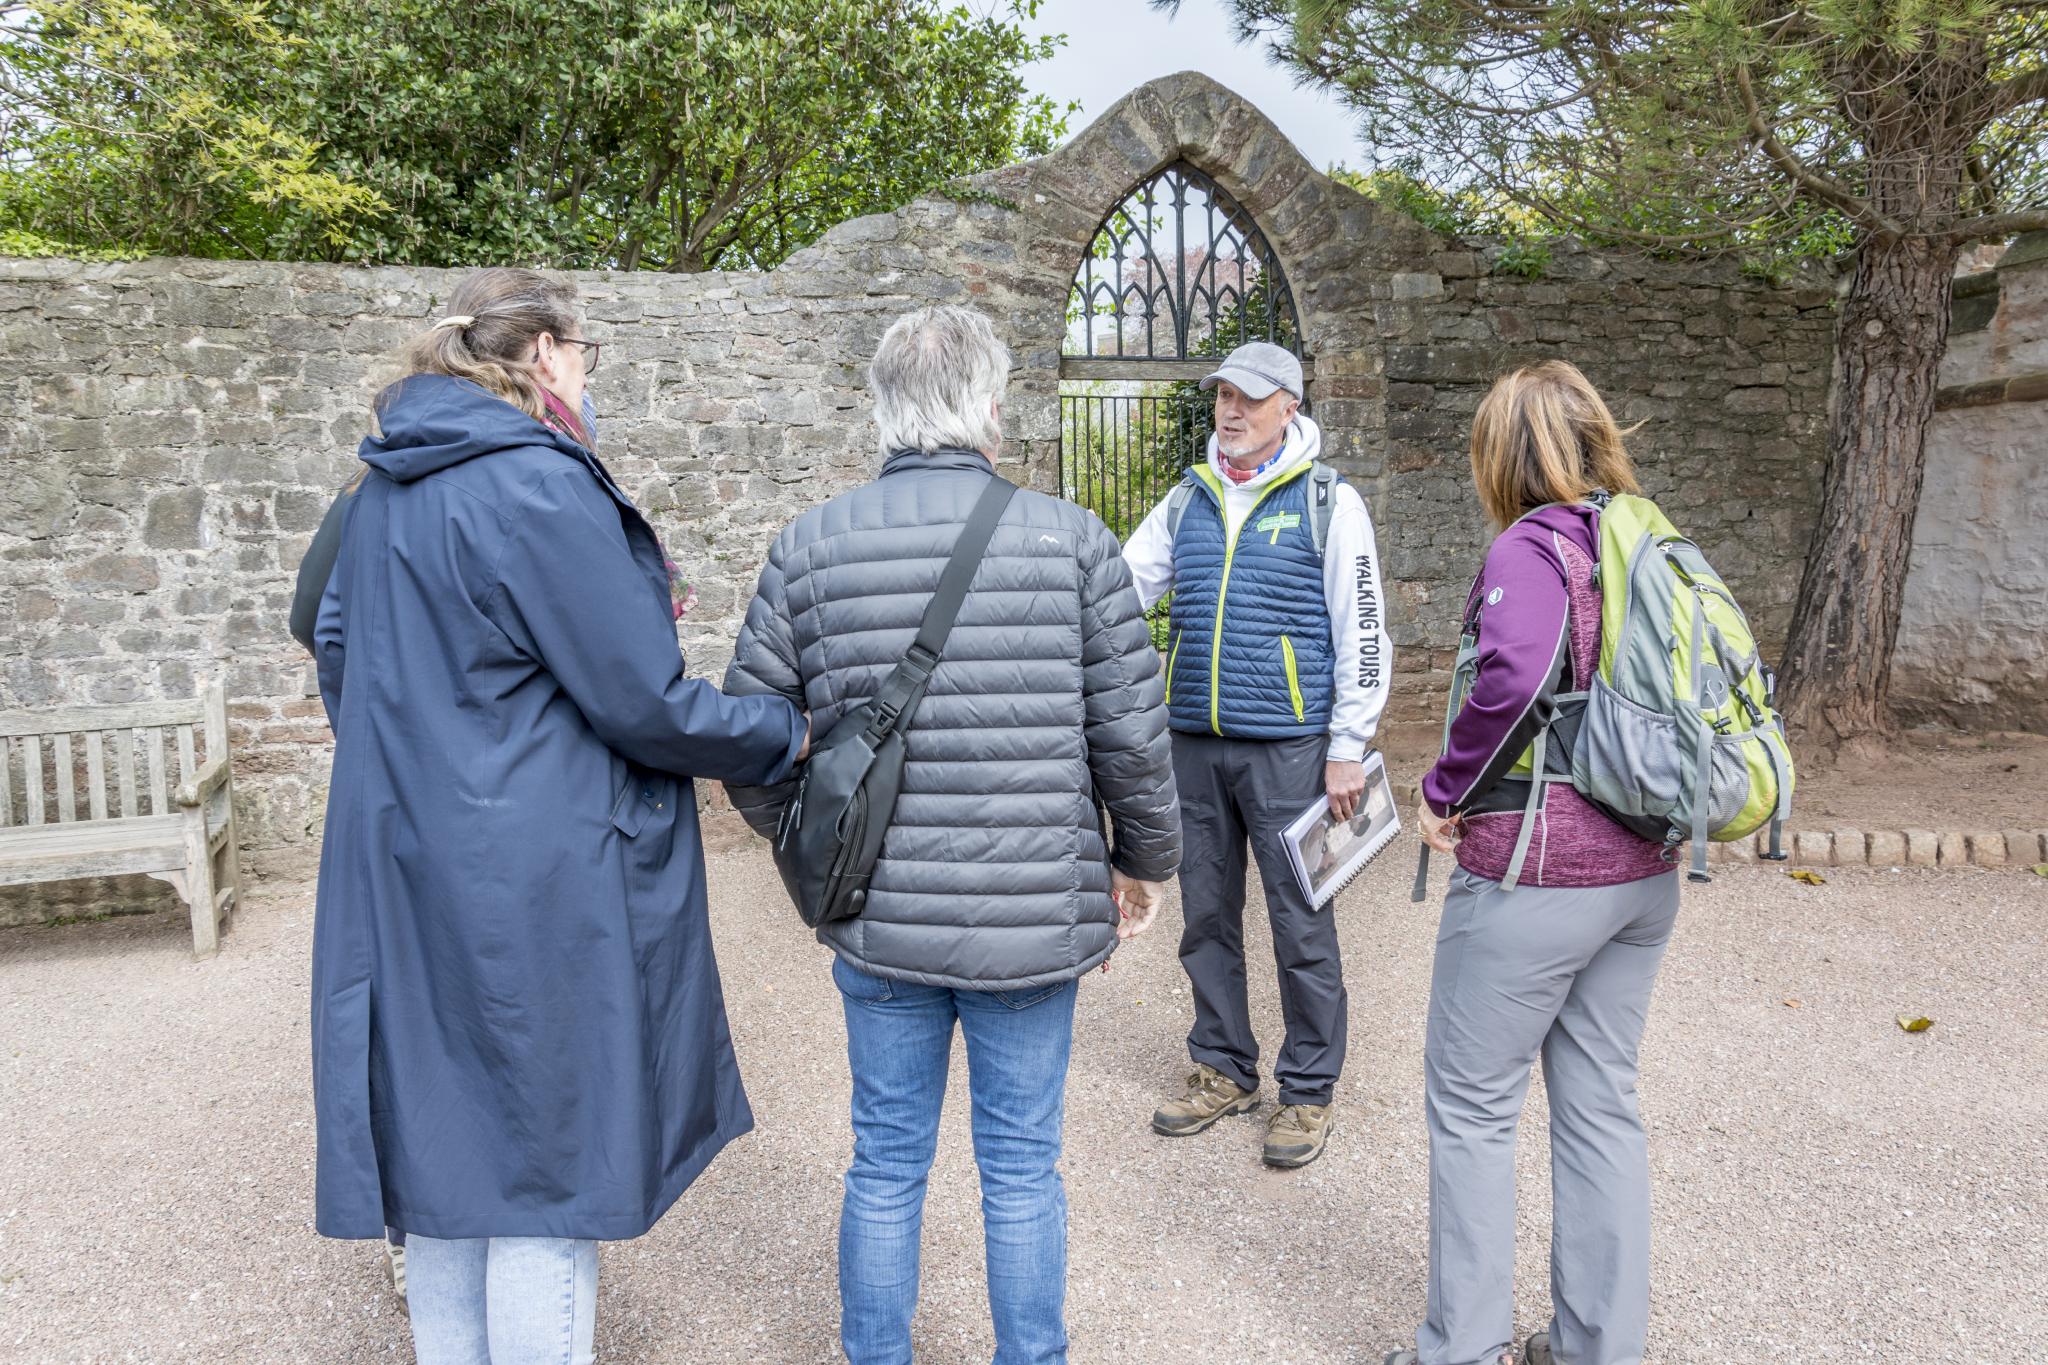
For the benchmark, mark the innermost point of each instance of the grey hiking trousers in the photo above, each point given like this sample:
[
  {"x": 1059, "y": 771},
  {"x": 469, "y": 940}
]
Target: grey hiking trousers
[
  {"x": 1236, "y": 793},
  {"x": 1567, "y": 972}
]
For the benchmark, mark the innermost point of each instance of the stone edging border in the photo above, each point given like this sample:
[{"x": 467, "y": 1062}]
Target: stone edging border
[
  {"x": 1847, "y": 847},
  {"x": 1894, "y": 848}
]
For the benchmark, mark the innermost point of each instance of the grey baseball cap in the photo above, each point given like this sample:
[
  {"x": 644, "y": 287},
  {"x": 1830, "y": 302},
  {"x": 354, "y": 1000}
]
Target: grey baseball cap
[{"x": 1259, "y": 369}]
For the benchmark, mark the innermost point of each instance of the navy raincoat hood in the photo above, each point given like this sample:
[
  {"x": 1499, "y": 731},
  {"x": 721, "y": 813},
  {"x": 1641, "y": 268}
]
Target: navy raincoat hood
[{"x": 517, "y": 1023}]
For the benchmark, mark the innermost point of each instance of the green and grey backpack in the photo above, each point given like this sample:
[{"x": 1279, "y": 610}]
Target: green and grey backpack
[{"x": 1677, "y": 736}]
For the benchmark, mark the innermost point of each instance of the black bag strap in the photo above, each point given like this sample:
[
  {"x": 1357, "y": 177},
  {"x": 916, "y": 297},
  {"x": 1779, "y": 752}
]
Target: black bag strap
[{"x": 897, "y": 701}]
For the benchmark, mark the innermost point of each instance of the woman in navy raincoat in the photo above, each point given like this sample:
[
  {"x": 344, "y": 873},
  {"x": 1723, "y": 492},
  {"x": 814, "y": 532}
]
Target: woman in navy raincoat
[{"x": 519, "y": 1041}]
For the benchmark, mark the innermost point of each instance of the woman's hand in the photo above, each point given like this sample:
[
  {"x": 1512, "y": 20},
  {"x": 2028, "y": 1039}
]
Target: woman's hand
[
  {"x": 805, "y": 752},
  {"x": 1440, "y": 832}
]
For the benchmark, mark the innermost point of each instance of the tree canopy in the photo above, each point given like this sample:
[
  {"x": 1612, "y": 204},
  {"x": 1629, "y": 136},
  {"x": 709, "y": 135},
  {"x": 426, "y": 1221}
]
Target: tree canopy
[{"x": 650, "y": 134}]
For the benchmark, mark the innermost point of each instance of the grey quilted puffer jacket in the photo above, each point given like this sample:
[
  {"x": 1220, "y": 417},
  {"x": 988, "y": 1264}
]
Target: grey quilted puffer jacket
[{"x": 995, "y": 871}]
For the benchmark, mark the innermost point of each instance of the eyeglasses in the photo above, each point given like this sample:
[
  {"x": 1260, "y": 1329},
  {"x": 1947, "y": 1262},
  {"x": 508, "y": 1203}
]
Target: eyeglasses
[{"x": 592, "y": 352}]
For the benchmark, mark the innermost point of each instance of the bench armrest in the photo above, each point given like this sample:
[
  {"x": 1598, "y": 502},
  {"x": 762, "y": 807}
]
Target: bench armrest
[{"x": 203, "y": 784}]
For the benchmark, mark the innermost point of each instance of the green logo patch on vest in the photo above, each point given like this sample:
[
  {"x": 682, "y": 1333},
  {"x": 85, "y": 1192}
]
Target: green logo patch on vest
[{"x": 1276, "y": 523}]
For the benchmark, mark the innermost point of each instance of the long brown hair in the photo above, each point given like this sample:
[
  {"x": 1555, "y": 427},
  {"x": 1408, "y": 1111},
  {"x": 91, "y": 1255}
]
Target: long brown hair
[
  {"x": 1543, "y": 434},
  {"x": 486, "y": 335}
]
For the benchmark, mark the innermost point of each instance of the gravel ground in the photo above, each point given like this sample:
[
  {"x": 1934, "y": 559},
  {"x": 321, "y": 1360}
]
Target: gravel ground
[{"x": 1829, "y": 1187}]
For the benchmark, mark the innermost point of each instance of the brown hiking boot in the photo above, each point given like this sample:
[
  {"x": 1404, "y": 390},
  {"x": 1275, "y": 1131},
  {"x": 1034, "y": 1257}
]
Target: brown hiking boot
[
  {"x": 1296, "y": 1134},
  {"x": 1211, "y": 1096}
]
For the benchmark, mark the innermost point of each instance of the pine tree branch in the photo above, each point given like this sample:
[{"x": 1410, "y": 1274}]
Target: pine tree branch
[
  {"x": 2008, "y": 95},
  {"x": 1998, "y": 226},
  {"x": 1825, "y": 188}
]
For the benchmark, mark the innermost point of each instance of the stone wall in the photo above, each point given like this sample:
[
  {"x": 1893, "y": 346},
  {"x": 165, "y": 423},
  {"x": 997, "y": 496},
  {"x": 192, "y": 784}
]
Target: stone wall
[
  {"x": 1973, "y": 649},
  {"x": 1726, "y": 377},
  {"x": 171, "y": 430}
]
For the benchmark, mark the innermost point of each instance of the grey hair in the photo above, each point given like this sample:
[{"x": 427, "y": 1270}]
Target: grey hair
[{"x": 934, "y": 377}]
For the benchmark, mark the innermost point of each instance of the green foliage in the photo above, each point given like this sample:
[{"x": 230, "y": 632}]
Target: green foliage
[
  {"x": 969, "y": 194},
  {"x": 14, "y": 242},
  {"x": 1461, "y": 213},
  {"x": 637, "y": 134},
  {"x": 129, "y": 130},
  {"x": 1530, "y": 260},
  {"x": 1453, "y": 213}
]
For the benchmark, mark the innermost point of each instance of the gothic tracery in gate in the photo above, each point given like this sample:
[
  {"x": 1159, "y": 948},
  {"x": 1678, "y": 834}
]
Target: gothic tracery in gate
[
  {"x": 1176, "y": 276},
  {"x": 1179, "y": 270}
]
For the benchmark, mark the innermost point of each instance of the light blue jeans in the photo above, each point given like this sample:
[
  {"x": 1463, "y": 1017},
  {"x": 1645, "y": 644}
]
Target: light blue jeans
[
  {"x": 899, "y": 1040},
  {"x": 501, "y": 1300}
]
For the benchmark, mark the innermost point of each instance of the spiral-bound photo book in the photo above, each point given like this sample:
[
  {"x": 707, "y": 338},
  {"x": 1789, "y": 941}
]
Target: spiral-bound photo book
[{"x": 1327, "y": 853}]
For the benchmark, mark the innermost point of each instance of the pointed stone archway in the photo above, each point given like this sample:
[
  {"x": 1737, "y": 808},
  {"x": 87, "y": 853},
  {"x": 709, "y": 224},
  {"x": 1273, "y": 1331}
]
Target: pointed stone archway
[{"x": 1327, "y": 241}]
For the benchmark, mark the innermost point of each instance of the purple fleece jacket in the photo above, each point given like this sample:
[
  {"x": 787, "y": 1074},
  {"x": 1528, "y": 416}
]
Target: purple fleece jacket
[{"x": 1539, "y": 633}]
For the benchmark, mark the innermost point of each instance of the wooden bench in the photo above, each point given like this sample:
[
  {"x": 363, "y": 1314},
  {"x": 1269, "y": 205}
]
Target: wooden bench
[{"x": 182, "y": 833}]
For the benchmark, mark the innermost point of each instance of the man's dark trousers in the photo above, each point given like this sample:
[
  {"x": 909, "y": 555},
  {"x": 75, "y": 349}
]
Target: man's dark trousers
[{"x": 1232, "y": 790}]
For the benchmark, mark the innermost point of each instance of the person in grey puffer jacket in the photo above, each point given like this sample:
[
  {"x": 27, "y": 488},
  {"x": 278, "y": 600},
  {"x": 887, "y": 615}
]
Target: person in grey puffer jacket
[{"x": 999, "y": 880}]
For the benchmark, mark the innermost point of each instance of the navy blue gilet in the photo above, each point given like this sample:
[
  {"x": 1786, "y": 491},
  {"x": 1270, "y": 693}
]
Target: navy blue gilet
[{"x": 1249, "y": 655}]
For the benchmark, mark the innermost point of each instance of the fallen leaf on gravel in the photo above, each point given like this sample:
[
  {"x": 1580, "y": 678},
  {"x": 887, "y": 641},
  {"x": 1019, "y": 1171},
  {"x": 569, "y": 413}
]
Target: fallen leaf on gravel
[
  {"x": 1807, "y": 878},
  {"x": 2041, "y": 869},
  {"x": 1915, "y": 1023},
  {"x": 1791, "y": 1004}
]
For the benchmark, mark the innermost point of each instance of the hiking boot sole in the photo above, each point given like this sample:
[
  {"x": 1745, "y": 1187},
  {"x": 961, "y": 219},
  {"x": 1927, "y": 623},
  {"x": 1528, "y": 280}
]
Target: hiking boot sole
[
  {"x": 1293, "y": 1158},
  {"x": 1290, "y": 1162},
  {"x": 1194, "y": 1126}
]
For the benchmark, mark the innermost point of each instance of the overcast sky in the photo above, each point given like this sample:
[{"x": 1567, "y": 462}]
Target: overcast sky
[{"x": 1114, "y": 46}]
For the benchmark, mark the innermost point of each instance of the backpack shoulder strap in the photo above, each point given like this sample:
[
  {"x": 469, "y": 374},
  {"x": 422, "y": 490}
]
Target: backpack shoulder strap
[
  {"x": 1322, "y": 502},
  {"x": 1177, "y": 504}
]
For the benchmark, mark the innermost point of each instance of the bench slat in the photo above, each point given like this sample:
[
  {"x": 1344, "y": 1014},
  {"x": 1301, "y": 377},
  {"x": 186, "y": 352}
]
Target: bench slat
[
  {"x": 95, "y": 775},
  {"x": 90, "y": 835},
  {"x": 187, "y": 763},
  {"x": 32, "y": 768},
  {"x": 67, "y": 796},
  {"x": 6, "y": 781},
  {"x": 159, "y": 793},
  {"x": 124, "y": 770},
  {"x": 75, "y": 718},
  {"x": 91, "y": 849}
]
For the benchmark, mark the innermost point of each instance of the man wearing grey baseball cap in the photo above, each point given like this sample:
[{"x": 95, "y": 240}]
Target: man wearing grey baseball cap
[{"x": 1277, "y": 670}]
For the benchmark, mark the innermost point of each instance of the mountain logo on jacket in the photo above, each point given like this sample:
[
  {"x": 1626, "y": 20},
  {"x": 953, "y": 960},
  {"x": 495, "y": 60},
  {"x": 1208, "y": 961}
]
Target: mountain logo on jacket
[{"x": 1493, "y": 598}]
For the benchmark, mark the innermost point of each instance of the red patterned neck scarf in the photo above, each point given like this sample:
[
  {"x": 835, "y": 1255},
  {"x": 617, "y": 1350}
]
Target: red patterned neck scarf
[{"x": 559, "y": 417}]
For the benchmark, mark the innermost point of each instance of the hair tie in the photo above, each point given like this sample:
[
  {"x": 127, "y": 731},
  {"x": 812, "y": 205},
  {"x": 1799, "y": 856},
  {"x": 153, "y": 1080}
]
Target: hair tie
[{"x": 463, "y": 320}]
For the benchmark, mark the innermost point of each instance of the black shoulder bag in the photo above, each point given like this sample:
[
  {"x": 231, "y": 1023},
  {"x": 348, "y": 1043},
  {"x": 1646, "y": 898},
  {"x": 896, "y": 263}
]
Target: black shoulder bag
[{"x": 831, "y": 832}]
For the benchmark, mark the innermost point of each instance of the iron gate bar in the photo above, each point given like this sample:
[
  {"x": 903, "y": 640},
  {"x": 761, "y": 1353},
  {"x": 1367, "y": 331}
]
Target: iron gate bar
[{"x": 1120, "y": 453}]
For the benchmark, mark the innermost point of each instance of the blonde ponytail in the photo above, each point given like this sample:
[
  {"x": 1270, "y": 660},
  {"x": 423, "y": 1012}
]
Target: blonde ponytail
[{"x": 487, "y": 336}]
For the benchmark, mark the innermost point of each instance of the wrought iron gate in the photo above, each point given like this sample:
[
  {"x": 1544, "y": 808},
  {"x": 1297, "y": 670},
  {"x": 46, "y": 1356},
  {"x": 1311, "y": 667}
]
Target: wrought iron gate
[
  {"x": 1121, "y": 451},
  {"x": 1177, "y": 276}
]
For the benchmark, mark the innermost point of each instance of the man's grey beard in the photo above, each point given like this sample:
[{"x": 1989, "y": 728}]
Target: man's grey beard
[{"x": 1232, "y": 451}]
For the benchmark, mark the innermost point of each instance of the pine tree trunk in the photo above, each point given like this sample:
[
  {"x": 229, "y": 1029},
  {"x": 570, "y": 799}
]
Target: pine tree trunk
[{"x": 1889, "y": 340}]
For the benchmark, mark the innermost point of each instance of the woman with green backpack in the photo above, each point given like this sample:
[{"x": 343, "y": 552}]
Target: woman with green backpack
[{"x": 1562, "y": 903}]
